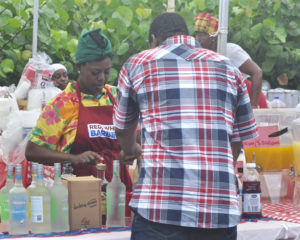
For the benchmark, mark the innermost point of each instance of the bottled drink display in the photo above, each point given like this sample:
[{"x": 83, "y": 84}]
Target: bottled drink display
[
  {"x": 4, "y": 199},
  {"x": 18, "y": 204},
  {"x": 30, "y": 187},
  {"x": 59, "y": 203},
  {"x": 252, "y": 206},
  {"x": 101, "y": 174},
  {"x": 40, "y": 205},
  {"x": 115, "y": 199}
]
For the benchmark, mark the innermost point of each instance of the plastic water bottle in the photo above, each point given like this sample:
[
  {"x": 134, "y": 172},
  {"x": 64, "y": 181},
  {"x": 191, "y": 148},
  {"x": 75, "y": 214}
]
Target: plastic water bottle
[
  {"x": 116, "y": 193},
  {"x": 277, "y": 103},
  {"x": 4, "y": 199},
  {"x": 59, "y": 203},
  {"x": 18, "y": 204}
]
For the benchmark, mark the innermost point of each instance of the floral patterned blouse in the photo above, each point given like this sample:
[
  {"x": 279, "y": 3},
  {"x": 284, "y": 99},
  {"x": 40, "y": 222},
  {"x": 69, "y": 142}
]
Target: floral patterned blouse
[{"x": 57, "y": 125}]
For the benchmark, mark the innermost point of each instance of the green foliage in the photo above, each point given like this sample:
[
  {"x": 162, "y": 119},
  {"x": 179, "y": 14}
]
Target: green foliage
[{"x": 269, "y": 30}]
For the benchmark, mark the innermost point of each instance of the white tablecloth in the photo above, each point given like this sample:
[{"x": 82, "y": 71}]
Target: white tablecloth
[
  {"x": 259, "y": 230},
  {"x": 268, "y": 230}
]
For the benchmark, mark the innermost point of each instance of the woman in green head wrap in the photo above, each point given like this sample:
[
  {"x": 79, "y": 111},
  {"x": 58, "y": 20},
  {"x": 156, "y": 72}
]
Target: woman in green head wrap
[{"x": 77, "y": 125}]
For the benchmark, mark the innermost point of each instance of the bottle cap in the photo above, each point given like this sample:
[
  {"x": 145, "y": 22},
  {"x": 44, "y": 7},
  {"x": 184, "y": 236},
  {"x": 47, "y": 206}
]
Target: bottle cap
[
  {"x": 101, "y": 166},
  {"x": 251, "y": 165}
]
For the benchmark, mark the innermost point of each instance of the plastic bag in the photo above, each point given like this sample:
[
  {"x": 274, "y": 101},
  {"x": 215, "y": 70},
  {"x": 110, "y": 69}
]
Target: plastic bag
[
  {"x": 15, "y": 135},
  {"x": 38, "y": 98},
  {"x": 36, "y": 74},
  {"x": 13, "y": 144}
]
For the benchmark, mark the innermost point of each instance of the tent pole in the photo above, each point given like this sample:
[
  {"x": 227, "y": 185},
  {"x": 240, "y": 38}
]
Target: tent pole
[
  {"x": 223, "y": 26},
  {"x": 171, "y": 6},
  {"x": 35, "y": 28}
]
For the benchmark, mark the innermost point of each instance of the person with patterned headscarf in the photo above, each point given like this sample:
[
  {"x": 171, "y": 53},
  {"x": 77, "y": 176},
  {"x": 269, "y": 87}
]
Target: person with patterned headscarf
[
  {"x": 206, "y": 32},
  {"x": 76, "y": 126}
]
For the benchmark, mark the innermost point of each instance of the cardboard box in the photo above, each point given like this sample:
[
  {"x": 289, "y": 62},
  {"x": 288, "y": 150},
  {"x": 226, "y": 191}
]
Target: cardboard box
[{"x": 84, "y": 202}]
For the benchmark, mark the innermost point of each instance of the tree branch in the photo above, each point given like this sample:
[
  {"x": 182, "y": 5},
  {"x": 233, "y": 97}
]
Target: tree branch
[
  {"x": 20, "y": 30},
  {"x": 16, "y": 34}
]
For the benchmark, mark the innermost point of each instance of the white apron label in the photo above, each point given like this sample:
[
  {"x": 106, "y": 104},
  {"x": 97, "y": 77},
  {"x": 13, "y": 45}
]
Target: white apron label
[{"x": 98, "y": 130}]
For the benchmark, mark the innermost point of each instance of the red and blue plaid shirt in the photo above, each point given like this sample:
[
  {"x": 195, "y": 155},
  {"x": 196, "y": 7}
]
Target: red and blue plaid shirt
[{"x": 191, "y": 102}]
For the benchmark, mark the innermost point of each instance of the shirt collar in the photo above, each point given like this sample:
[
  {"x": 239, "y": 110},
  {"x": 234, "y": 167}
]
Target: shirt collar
[
  {"x": 89, "y": 96},
  {"x": 182, "y": 39}
]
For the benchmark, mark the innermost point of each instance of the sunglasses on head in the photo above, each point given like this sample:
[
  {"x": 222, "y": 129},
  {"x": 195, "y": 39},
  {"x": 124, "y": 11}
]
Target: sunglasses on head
[{"x": 98, "y": 39}]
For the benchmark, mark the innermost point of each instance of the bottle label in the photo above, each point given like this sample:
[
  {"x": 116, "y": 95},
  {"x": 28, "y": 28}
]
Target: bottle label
[
  {"x": 103, "y": 199},
  {"x": 252, "y": 203},
  {"x": 18, "y": 210},
  {"x": 37, "y": 215}
]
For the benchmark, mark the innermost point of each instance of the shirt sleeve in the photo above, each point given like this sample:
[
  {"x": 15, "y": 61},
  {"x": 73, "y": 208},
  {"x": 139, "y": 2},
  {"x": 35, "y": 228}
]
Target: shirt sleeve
[
  {"x": 126, "y": 110},
  {"x": 245, "y": 125},
  {"x": 55, "y": 127},
  {"x": 237, "y": 54}
]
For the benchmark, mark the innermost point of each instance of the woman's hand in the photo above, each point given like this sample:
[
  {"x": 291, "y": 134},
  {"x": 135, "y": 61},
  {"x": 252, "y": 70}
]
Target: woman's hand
[
  {"x": 127, "y": 158},
  {"x": 87, "y": 158}
]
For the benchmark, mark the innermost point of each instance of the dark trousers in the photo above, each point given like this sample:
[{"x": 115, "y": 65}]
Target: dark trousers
[{"x": 143, "y": 229}]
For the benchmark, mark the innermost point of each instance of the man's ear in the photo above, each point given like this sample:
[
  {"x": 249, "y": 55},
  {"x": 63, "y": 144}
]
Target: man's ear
[{"x": 154, "y": 42}]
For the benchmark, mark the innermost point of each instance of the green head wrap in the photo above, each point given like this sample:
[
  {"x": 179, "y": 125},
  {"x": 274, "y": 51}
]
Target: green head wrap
[{"x": 92, "y": 45}]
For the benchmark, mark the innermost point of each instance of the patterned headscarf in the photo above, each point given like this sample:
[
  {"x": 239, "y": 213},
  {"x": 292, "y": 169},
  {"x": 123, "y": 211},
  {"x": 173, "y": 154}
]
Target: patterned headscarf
[
  {"x": 92, "y": 45},
  {"x": 205, "y": 22}
]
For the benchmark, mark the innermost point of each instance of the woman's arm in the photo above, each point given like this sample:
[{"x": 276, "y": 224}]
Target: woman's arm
[{"x": 46, "y": 156}]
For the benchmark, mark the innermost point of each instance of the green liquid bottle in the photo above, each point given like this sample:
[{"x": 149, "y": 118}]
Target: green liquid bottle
[
  {"x": 59, "y": 203},
  {"x": 116, "y": 193},
  {"x": 4, "y": 199}
]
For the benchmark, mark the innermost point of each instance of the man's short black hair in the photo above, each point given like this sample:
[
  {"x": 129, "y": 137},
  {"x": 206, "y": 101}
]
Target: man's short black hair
[{"x": 167, "y": 25}]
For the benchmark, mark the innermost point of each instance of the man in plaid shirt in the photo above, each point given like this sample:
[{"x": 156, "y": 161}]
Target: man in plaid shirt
[{"x": 194, "y": 113}]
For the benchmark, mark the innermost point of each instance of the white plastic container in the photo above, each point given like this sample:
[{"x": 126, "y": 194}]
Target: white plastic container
[{"x": 277, "y": 103}]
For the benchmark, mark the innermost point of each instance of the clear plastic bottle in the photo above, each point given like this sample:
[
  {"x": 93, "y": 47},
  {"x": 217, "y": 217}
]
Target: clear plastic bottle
[
  {"x": 277, "y": 103},
  {"x": 116, "y": 193},
  {"x": 101, "y": 174},
  {"x": 32, "y": 185},
  {"x": 241, "y": 164},
  {"x": 252, "y": 206},
  {"x": 239, "y": 193},
  {"x": 4, "y": 199},
  {"x": 291, "y": 183},
  {"x": 59, "y": 203},
  {"x": 18, "y": 204},
  {"x": 40, "y": 205}
]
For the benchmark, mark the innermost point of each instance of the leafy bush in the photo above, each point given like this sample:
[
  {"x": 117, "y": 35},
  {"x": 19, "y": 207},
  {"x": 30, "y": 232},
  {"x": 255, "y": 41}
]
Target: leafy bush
[{"x": 269, "y": 30}]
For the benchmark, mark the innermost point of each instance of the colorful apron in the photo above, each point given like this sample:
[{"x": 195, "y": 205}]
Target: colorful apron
[{"x": 95, "y": 132}]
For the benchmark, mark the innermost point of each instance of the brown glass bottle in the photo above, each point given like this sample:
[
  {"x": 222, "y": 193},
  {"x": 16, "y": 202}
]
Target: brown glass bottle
[{"x": 101, "y": 174}]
